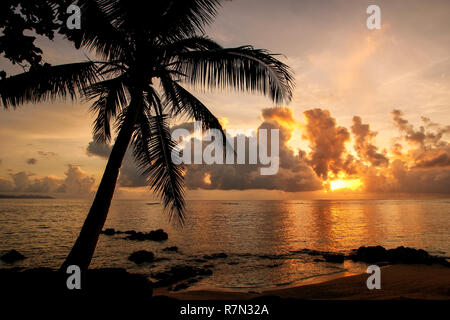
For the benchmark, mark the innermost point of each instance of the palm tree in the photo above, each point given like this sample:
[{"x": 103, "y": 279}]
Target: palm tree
[{"x": 146, "y": 54}]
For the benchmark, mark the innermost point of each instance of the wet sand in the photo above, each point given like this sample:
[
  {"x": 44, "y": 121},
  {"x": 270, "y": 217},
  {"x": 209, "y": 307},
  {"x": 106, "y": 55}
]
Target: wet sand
[{"x": 397, "y": 282}]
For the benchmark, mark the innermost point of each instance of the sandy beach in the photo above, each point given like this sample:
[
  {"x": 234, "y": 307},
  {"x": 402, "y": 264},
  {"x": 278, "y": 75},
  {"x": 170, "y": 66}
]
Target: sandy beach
[{"x": 397, "y": 282}]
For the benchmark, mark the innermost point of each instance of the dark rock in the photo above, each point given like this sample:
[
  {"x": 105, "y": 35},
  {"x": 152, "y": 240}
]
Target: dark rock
[
  {"x": 233, "y": 263},
  {"x": 408, "y": 255},
  {"x": 192, "y": 281},
  {"x": 398, "y": 255},
  {"x": 335, "y": 258},
  {"x": 142, "y": 256},
  {"x": 156, "y": 235},
  {"x": 221, "y": 255},
  {"x": 369, "y": 254},
  {"x": 208, "y": 266},
  {"x": 171, "y": 249},
  {"x": 180, "y": 286},
  {"x": 109, "y": 232},
  {"x": 313, "y": 252},
  {"x": 319, "y": 260},
  {"x": 130, "y": 232},
  {"x": 200, "y": 260},
  {"x": 179, "y": 273},
  {"x": 12, "y": 256}
]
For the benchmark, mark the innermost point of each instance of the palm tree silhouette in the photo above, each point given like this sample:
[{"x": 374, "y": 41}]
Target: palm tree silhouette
[{"x": 147, "y": 51}]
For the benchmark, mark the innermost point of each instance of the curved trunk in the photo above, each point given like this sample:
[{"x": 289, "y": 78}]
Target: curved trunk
[{"x": 83, "y": 250}]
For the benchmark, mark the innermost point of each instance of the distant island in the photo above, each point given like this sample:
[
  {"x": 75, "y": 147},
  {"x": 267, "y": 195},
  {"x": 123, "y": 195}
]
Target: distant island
[{"x": 24, "y": 196}]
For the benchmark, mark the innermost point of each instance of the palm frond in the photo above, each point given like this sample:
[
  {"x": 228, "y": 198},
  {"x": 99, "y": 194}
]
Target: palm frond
[
  {"x": 242, "y": 68},
  {"x": 98, "y": 32},
  {"x": 47, "y": 83},
  {"x": 112, "y": 97},
  {"x": 183, "y": 103},
  {"x": 152, "y": 150},
  {"x": 164, "y": 20}
]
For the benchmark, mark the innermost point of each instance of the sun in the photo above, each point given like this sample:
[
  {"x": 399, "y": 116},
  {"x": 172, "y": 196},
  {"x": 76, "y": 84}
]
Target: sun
[{"x": 349, "y": 184}]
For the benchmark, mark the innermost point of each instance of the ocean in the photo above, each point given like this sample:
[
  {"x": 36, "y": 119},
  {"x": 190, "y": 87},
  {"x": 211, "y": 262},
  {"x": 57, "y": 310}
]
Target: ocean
[{"x": 262, "y": 239}]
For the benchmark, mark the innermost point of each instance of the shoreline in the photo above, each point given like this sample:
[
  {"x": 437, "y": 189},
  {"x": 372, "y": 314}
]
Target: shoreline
[{"x": 424, "y": 282}]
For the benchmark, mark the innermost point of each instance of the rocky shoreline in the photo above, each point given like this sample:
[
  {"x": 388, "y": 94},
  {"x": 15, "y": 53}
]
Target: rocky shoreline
[{"x": 179, "y": 277}]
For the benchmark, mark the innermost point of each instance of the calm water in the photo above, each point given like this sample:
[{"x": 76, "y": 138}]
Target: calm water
[{"x": 258, "y": 236}]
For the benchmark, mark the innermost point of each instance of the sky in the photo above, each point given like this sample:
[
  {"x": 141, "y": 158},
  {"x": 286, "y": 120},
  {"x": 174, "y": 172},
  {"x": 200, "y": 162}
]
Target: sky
[{"x": 369, "y": 111}]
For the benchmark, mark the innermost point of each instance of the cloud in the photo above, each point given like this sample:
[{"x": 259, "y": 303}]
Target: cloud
[
  {"x": 6, "y": 185},
  {"x": 76, "y": 183},
  {"x": 47, "y": 154},
  {"x": 439, "y": 159},
  {"x": 428, "y": 135},
  {"x": 422, "y": 167},
  {"x": 363, "y": 145},
  {"x": 129, "y": 175},
  {"x": 327, "y": 142},
  {"x": 31, "y": 161},
  {"x": 294, "y": 175}
]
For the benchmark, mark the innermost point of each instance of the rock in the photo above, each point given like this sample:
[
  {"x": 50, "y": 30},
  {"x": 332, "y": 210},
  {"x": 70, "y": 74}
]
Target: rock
[
  {"x": 319, "y": 260},
  {"x": 313, "y": 252},
  {"x": 408, "y": 255},
  {"x": 335, "y": 258},
  {"x": 142, "y": 256},
  {"x": 179, "y": 273},
  {"x": 370, "y": 254},
  {"x": 109, "y": 232},
  {"x": 221, "y": 255},
  {"x": 180, "y": 286},
  {"x": 171, "y": 249},
  {"x": 12, "y": 256},
  {"x": 398, "y": 255},
  {"x": 156, "y": 235}
]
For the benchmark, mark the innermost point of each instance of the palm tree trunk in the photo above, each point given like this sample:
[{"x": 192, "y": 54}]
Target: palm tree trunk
[{"x": 83, "y": 250}]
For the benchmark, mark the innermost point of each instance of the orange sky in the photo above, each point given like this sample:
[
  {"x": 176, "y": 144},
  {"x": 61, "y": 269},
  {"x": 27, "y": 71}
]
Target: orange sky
[{"x": 341, "y": 68}]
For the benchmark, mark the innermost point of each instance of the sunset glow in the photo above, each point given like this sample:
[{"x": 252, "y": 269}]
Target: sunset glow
[{"x": 352, "y": 184}]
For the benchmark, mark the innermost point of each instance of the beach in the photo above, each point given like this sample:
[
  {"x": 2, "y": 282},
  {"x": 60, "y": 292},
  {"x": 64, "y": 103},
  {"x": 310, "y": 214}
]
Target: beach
[{"x": 397, "y": 282}]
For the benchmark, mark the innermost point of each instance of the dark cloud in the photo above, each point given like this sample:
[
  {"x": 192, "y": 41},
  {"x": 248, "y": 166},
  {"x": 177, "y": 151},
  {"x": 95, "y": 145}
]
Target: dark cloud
[
  {"x": 363, "y": 145},
  {"x": 428, "y": 135},
  {"x": 439, "y": 159},
  {"x": 327, "y": 142},
  {"x": 129, "y": 175},
  {"x": 31, "y": 161},
  {"x": 98, "y": 149}
]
